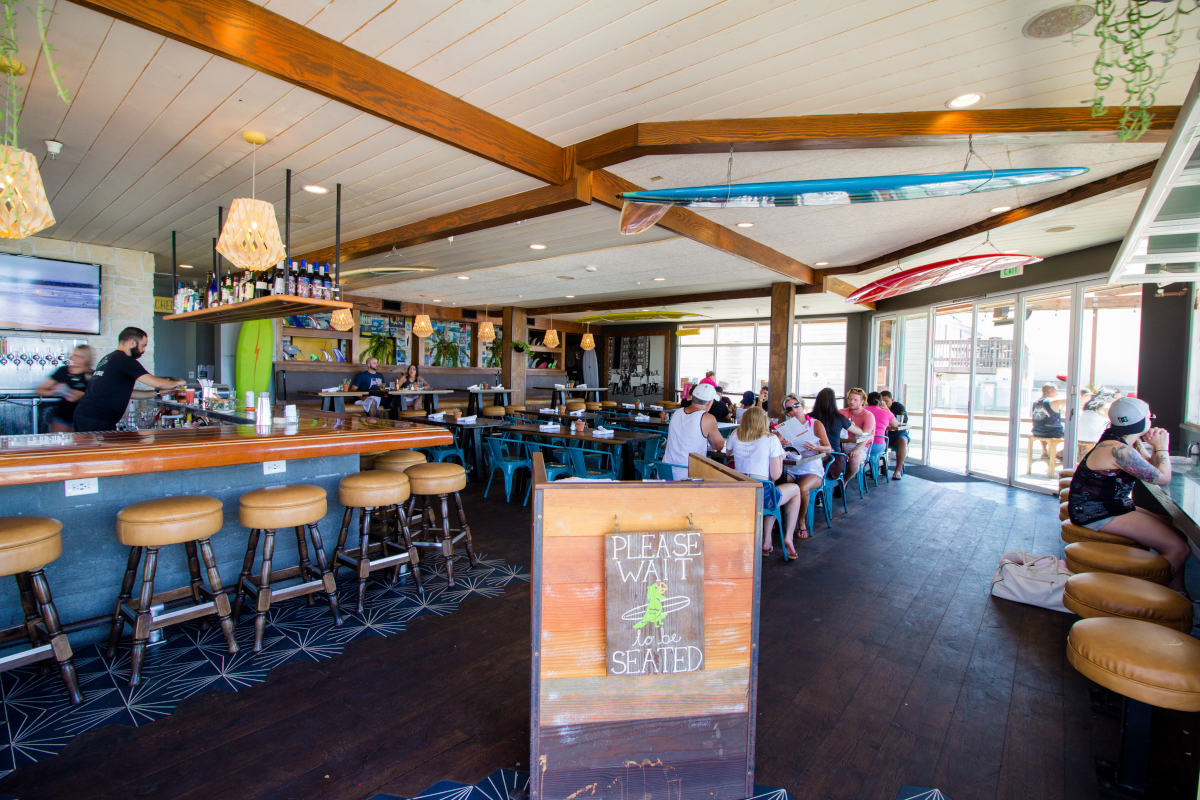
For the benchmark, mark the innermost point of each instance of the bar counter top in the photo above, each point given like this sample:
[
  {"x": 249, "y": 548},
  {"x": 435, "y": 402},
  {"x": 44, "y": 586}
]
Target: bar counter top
[{"x": 53, "y": 457}]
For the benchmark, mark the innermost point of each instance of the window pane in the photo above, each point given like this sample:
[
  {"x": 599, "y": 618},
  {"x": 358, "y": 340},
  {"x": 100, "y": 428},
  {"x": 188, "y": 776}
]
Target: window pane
[
  {"x": 820, "y": 366},
  {"x": 823, "y": 330},
  {"x": 705, "y": 336},
  {"x": 694, "y": 362},
  {"x": 762, "y": 362},
  {"x": 735, "y": 367},
  {"x": 742, "y": 333}
]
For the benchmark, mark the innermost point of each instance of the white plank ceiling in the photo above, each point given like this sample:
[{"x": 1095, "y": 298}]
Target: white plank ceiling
[{"x": 152, "y": 136}]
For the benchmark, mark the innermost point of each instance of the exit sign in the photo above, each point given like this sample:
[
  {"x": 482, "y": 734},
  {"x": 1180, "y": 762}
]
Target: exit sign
[{"x": 1012, "y": 272}]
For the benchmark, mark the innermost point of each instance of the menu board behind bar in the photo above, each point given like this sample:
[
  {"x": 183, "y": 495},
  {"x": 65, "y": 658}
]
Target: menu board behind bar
[{"x": 644, "y": 631}]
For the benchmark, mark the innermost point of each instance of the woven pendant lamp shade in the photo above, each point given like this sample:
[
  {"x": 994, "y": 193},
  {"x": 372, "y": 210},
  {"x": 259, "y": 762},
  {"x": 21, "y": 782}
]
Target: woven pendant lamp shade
[
  {"x": 551, "y": 339},
  {"x": 342, "y": 320},
  {"x": 487, "y": 332},
  {"x": 422, "y": 326},
  {"x": 24, "y": 209},
  {"x": 587, "y": 342},
  {"x": 250, "y": 238}
]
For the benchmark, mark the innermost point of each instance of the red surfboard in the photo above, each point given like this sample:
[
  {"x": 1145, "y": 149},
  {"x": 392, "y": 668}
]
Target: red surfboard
[{"x": 939, "y": 272}]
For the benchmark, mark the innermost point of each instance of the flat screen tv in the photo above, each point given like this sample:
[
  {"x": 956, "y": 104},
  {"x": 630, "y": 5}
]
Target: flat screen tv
[{"x": 42, "y": 294}]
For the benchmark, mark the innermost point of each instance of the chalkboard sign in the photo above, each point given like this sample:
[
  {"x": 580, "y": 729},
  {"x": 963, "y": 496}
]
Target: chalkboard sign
[{"x": 654, "y": 602}]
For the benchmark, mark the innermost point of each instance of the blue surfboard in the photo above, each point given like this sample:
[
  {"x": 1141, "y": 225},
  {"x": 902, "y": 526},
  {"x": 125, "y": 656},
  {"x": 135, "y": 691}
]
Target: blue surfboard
[{"x": 843, "y": 191}]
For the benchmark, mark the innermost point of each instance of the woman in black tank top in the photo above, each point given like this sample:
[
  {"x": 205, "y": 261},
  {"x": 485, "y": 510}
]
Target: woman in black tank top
[{"x": 1101, "y": 493}]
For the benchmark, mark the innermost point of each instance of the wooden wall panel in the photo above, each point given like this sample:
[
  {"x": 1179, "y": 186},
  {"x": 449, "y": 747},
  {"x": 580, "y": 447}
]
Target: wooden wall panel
[{"x": 715, "y": 509}]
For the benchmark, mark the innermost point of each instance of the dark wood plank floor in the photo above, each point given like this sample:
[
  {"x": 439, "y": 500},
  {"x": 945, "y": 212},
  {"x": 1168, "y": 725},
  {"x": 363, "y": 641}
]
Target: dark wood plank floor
[{"x": 883, "y": 662}]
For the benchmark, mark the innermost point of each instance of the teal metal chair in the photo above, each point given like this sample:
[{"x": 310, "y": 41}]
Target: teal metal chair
[
  {"x": 823, "y": 495},
  {"x": 446, "y": 452},
  {"x": 645, "y": 464},
  {"x": 506, "y": 464},
  {"x": 777, "y": 513},
  {"x": 664, "y": 471},
  {"x": 552, "y": 458},
  {"x": 604, "y": 467}
]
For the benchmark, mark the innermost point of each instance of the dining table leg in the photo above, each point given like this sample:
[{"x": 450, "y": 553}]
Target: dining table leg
[
  {"x": 339, "y": 404},
  {"x": 472, "y": 403}
]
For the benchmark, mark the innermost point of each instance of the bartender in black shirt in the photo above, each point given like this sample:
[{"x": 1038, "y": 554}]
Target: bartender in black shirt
[{"x": 111, "y": 386}]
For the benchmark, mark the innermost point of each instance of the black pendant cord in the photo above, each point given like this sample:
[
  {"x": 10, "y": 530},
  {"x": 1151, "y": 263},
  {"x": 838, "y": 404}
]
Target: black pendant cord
[
  {"x": 174, "y": 266},
  {"x": 216, "y": 254},
  {"x": 287, "y": 213},
  {"x": 337, "y": 243}
]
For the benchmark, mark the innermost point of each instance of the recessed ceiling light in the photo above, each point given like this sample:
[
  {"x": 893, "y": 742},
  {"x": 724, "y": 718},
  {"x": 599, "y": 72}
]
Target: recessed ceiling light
[
  {"x": 185, "y": 266},
  {"x": 591, "y": 268},
  {"x": 313, "y": 188},
  {"x": 659, "y": 280},
  {"x": 569, "y": 296},
  {"x": 745, "y": 224},
  {"x": 537, "y": 246},
  {"x": 645, "y": 309},
  {"x": 463, "y": 277},
  {"x": 1000, "y": 209},
  {"x": 964, "y": 100},
  {"x": 1060, "y": 229},
  {"x": 821, "y": 264}
]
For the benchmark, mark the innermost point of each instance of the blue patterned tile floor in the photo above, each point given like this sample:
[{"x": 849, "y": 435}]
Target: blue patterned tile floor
[
  {"x": 39, "y": 722},
  {"x": 509, "y": 784}
]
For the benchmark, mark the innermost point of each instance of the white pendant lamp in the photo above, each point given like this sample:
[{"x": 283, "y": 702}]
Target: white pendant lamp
[{"x": 250, "y": 238}]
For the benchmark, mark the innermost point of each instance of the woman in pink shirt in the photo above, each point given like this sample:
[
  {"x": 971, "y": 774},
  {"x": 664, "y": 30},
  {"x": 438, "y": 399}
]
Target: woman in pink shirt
[{"x": 885, "y": 420}]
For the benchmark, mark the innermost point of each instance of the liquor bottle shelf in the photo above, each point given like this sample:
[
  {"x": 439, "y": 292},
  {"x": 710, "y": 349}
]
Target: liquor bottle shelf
[{"x": 279, "y": 305}]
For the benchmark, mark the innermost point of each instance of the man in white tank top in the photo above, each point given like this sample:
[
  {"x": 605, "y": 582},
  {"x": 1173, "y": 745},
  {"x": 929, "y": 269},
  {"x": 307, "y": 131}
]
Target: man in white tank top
[{"x": 693, "y": 430}]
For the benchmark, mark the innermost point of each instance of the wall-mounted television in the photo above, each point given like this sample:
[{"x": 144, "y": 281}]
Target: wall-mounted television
[{"x": 47, "y": 295}]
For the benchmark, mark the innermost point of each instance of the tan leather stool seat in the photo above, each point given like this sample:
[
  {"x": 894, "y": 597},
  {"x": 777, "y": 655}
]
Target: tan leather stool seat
[
  {"x": 667, "y": 404},
  {"x": 1062, "y": 493},
  {"x": 1103, "y": 594},
  {"x": 1066, "y": 473},
  {"x": 576, "y": 405},
  {"x": 372, "y": 489},
  {"x": 492, "y": 411},
  {"x": 1078, "y": 533},
  {"x": 275, "y": 507},
  {"x": 169, "y": 520},
  {"x": 1118, "y": 558},
  {"x": 411, "y": 413},
  {"x": 1064, "y": 483},
  {"x": 592, "y": 405},
  {"x": 1064, "y": 513},
  {"x": 28, "y": 543},
  {"x": 399, "y": 460},
  {"x": 511, "y": 409},
  {"x": 437, "y": 478},
  {"x": 608, "y": 403},
  {"x": 1137, "y": 659}
]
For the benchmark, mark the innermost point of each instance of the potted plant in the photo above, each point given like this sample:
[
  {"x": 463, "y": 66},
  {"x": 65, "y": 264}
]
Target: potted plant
[{"x": 382, "y": 347}]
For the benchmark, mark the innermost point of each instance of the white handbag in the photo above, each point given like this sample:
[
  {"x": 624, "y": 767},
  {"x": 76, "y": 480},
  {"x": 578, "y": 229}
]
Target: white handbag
[{"x": 1033, "y": 580}]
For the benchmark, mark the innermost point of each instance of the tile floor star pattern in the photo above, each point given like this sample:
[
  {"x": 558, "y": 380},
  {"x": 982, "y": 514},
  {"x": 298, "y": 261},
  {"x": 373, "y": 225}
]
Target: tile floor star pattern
[{"x": 510, "y": 784}]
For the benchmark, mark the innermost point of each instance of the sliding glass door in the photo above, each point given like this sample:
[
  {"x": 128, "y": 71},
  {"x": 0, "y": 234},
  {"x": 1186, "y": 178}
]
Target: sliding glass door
[
  {"x": 912, "y": 372},
  {"x": 950, "y": 395},
  {"x": 992, "y": 389},
  {"x": 1045, "y": 389}
]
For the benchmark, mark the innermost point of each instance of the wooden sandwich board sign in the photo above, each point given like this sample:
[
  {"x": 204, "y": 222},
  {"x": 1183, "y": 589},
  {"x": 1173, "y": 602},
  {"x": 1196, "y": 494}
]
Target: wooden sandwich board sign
[{"x": 654, "y": 602}]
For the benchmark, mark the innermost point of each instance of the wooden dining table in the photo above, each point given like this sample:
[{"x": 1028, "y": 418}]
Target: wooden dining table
[
  {"x": 335, "y": 401},
  {"x": 500, "y": 397},
  {"x": 560, "y": 393},
  {"x": 476, "y": 428},
  {"x": 623, "y": 441},
  {"x": 429, "y": 396}
]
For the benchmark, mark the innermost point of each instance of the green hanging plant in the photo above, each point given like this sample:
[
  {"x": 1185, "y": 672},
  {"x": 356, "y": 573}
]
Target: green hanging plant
[
  {"x": 1129, "y": 31},
  {"x": 382, "y": 347}
]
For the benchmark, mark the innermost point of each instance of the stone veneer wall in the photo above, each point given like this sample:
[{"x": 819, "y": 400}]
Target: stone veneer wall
[{"x": 126, "y": 285}]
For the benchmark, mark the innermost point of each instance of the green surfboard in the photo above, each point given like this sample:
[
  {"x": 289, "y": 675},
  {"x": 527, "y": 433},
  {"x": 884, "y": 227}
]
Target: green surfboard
[{"x": 255, "y": 354}]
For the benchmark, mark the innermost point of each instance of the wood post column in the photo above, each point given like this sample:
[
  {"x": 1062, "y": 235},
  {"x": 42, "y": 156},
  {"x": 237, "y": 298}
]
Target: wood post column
[
  {"x": 783, "y": 303},
  {"x": 512, "y": 363}
]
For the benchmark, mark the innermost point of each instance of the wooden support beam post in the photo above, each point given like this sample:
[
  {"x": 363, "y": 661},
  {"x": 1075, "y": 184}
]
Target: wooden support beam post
[
  {"x": 783, "y": 303},
  {"x": 512, "y": 363}
]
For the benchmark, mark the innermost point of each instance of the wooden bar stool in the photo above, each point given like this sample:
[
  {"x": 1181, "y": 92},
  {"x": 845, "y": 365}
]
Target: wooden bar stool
[
  {"x": 399, "y": 460},
  {"x": 576, "y": 405},
  {"x": 1070, "y": 533},
  {"x": 608, "y": 404},
  {"x": 592, "y": 405},
  {"x": 411, "y": 413},
  {"x": 1118, "y": 558},
  {"x": 264, "y": 511},
  {"x": 149, "y": 525},
  {"x": 427, "y": 481},
  {"x": 369, "y": 492},
  {"x": 1064, "y": 513},
  {"x": 510, "y": 410},
  {"x": 27, "y": 545},
  {"x": 668, "y": 405},
  {"x": 1104, "y": 594},
  {"x": 492, "y": 411}
]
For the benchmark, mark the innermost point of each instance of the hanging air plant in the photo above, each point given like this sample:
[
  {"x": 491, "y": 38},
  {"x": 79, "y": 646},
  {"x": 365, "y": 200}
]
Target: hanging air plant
[
  {"x": 24, "y": 209},
  {"x": 1128, "y": 31}
]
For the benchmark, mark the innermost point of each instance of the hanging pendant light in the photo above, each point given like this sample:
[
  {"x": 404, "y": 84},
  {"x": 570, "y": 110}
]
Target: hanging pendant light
[
  {"x": 342, "y": 320},
  {"x": 487, "y": 331},
  {"x": 422, "y": 327},
  {"x": 587, "y": 342},
  {"x": 551, "y": 339},
  {"x": 250, "y": 238},
  {"x": 24, "y": 209}
]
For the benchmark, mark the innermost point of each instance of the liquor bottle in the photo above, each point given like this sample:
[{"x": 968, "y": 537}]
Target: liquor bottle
[
  {"x": 280, "y": 282},
  {"x": 177, "y": 303},
  {"x": 227, "y": 290},
  {"x": 314, "y": 288},
  {"x": 291, "y": 277},
  {"x": 326, "y": 294},
  {"x": 261, "y": 287},
  {"x": 213, "y": 292},
  {"x": 303, "y": 285}
]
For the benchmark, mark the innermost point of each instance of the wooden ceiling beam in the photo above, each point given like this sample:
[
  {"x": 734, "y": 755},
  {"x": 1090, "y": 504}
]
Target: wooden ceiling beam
[
  {"x": 660, "y": 300},
  {"x": 606, "y": 186},
  {"x": 847, "y": 131},
  {"x": 1127, "y": 179},
  {"x": 251, "y": 35},
  {"x": 494, "y": 213}
]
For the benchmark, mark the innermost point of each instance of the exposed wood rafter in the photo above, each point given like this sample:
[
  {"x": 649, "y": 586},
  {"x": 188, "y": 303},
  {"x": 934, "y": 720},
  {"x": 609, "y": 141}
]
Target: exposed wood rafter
[
  {"x": 664, "y": 300},
  {"x": 1126, "y": 179},
  {"x": 845, "y": 131},
  {"x": 251, "y": 35}
]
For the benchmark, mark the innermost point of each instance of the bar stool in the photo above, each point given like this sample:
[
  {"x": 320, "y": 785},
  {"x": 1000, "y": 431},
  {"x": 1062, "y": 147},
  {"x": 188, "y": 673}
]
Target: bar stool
[
  {"x": 411, "y": 413},
  {"x": 608, "y": 404},
  {"x": 592, "y": 405},
  {"x": 149, "y": 525},
  {"x": 370, "y": 492},
  {"x": 510, "y": 410},
  {"x": 1064, "y": 513},
  {"x": 1118, "y": 558},
  {"x": 668, "y": 405},
  {"x": 492, "y": 411},
  {"x": 576, "y": 405},
  {"x": 1070, "y": 533},
  {"x": 1104, "y": 594},
  {"x": 428, "y": 481},
  {"x": 27, "y": 545},
  {"x": 264, "y": 511},
  {"x": 399, "y": 460}
]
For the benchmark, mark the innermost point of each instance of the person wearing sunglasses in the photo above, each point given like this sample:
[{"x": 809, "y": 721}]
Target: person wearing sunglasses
[
  {"x": 806, "y": 436},
  {"x": 1101, "y": 493}
]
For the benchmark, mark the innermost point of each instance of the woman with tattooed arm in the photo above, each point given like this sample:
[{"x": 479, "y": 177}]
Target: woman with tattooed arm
[{"x": 1101, "y": 495}]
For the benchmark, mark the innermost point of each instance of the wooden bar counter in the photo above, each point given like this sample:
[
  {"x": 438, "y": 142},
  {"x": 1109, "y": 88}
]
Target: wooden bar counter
[{"x": 83, "y": 480}]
